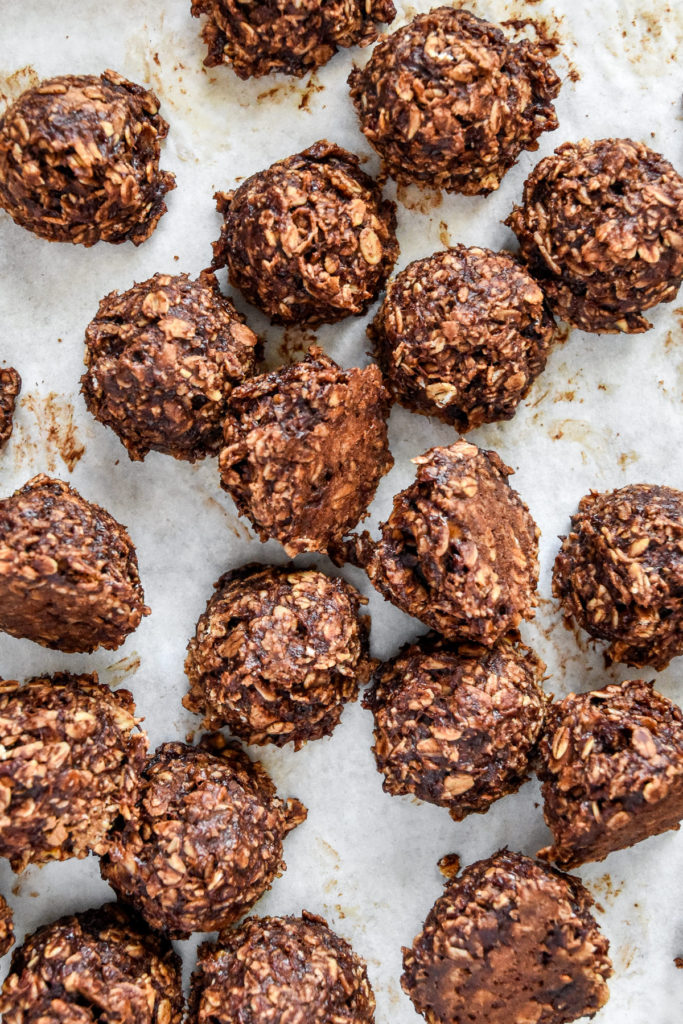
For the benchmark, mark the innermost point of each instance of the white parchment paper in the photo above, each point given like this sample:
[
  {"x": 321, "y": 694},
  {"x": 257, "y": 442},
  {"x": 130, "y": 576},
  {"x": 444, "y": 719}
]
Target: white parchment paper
[{"x": 606, "y": 412}]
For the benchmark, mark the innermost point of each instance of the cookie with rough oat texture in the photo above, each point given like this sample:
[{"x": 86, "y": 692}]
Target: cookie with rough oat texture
[
  {"x": 102, "y": 966},
  {"x": 309, "y": 240},
  {"x": 457, "y": 724},
  {"x": 449, "y": 102},
  {"x": 71, "y": 761},
  {"x": 611, "y": 762},
  {"x": 601, "y": 229},
  {"x": 509, "y": 940},
  {"x": 304, "y": 450},
  {"x": 459, "y": 550},
  {"x": 267, "y": 36},
  {"x": 619, "y": 572},
  {"x": 462, "y": 335},
  {"x": 68, "y": 570},
  {"x": 79, "y": 160},
  {"x": 204, "y": 841},
  {"x": 273, "y": 969},
  {"x": 162, "y": 359},
  {"x": 277, "y": 654}
]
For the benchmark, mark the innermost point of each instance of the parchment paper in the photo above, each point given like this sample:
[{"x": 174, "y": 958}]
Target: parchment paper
[{"x": 607, "y": 411}]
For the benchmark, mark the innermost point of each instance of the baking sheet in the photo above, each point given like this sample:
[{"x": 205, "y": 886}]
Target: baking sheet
[{"x": 606, "y": 412}]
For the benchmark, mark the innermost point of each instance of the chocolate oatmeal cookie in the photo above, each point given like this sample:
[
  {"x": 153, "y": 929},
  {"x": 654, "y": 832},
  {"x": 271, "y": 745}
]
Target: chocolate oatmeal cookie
[
  {"x": 68, "y": 570},
  {"x": 10, "y": 386},
  {"x": 601, "y": 228},
  {"x": 204, "y": 841},
  {"x": 304, "y": 449},
  {"x": 462, "y": 335},
  {"x": 611, "y": 762},
  {"x": 71, "y": 760},
  {"x": 277, "y": 969},
  {"x": 459, "y": 550},
  {"x": 457, "y": 724},
  {"x": 509, "y": 940},
  {"x": 619, "y": 573},
  {"x": 102, "y": 966},
  {"x": 448, "y": 101},
  {"x": 79, "y": 160},
  {"x": 162, "y": 359},
  {"x": 277, "y": 654},
  {"x": 309, "y": 240},
  {"x": 6, "y": 927},
  {"x": 265, "y": 36}
]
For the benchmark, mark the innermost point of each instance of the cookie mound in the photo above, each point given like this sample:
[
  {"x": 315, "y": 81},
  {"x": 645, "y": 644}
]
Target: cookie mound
[{"x": 79, "y": 160}]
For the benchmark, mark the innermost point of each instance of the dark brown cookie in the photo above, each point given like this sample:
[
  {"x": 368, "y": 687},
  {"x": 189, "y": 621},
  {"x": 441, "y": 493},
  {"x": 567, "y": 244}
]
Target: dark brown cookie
[
  {"x": 68, "y": 570},
  {"x": 459, "y": 550},
  {"x": 6, "y": 927},
  {"x": 72, "y": 756},
  {"x": 509, "y": 940},
  {"x": 10, "y": 386},
  {"x": 102, "y": 966},
  {"x": 611, "y": 762},
  {"x": 309, "y": 240},
  {"x": 277, "y": 969},
  {"x": 265, "y": 36},
  {"x": 462, "y": 335},
  {"x": 601, "y": 228},
  {"x": 449, "y": 102},
  {"x": 457, "y": 725},
  {"x": 205, "y": 840},
  {"x": 79, "y": 160},
  {"x": 162, "y": 359},
  {"x": 277, "y": 654},
  {"x": 619, "y": 573},
  {"x": 305, "y": 447}
]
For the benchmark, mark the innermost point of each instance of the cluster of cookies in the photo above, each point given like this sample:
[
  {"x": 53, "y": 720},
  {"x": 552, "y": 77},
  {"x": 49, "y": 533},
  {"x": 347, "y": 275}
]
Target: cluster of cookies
[{"x": 190, "y": 837}]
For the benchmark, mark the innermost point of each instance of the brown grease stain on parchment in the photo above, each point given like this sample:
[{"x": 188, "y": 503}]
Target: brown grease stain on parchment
[
  {"x": 57, "y": 436},
  {"x": 295, "y": 343},
  {"x": 12, "y": 85},
  {"x": 236, "y": 526},
  {"x": 120, "y": 670},
  {"x": 418, "y": 198},
  {"x": 648, "y": 33},
  {"x": 302, "y": 91},
  {"x": 606, "y": 888}
]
